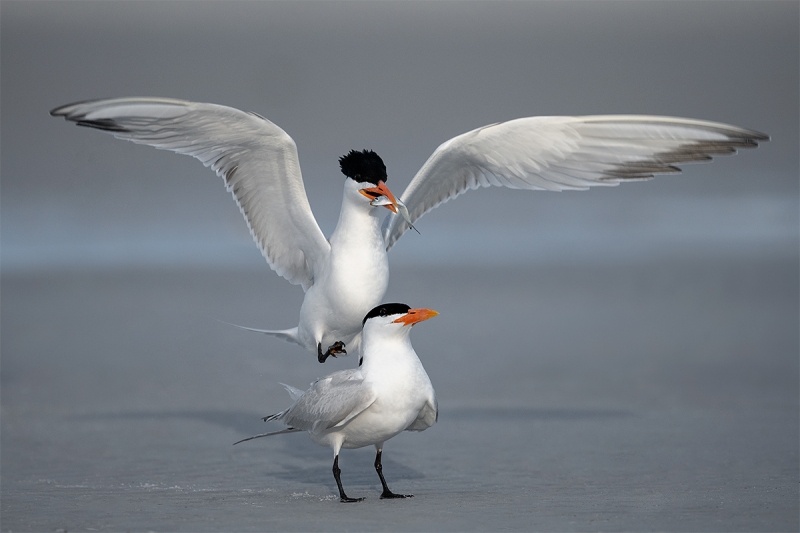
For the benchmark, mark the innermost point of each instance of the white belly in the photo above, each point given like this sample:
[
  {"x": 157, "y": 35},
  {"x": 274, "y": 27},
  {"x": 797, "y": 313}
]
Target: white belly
[
  {"x": 336, "y": 304},
  {"x": 375, "y": 425}
]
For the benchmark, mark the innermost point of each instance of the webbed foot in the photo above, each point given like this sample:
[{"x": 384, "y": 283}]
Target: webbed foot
[{"x": 389, "y": 494}]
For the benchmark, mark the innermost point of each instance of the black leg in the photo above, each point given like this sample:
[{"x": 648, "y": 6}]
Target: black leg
[
  {"x": 336, "y": 472},
  {"x": 333, "y": 349},
  {"x": 386, "y": 492}
]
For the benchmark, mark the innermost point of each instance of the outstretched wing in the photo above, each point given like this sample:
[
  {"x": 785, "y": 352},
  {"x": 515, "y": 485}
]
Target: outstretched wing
[
  {"x": 256, "y": 158},
  {"x": 331, "y": 401},
  {"x": 558, "y": 153}
]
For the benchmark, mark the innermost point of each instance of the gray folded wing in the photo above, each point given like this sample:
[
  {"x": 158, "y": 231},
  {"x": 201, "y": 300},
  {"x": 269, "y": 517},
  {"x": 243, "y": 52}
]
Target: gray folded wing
[
  {"x": 558, "y": 153},
  {"x": 331, "y": 401},
  {"x": 427, "y": 417},
  {"x": 256, "y": 158}
]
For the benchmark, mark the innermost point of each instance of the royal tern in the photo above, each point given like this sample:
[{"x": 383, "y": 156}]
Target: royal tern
[
  {"x": 388, "y": 393},
  {"x": 343, "y": 278},
  {"x": 346, "y": 276}
]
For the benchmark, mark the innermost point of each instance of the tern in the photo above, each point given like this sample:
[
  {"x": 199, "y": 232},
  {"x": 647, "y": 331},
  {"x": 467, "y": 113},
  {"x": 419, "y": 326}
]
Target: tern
[
  {"x": 347, "y": 275},
  {"x": 343, "y": 278},
  {"x": 388, "y": 393}
]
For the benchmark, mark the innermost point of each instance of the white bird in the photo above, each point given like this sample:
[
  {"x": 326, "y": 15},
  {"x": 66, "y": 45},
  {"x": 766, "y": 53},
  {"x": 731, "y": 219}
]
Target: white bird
[
  {"x": 388, "y": 393},
  {"x": 346, "y": 276}
]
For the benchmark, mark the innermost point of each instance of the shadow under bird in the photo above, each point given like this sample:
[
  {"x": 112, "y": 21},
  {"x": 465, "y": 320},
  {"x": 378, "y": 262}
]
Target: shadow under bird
[
  {"x": 388, "y": 393},
  {"x": 347, "y": 275}
]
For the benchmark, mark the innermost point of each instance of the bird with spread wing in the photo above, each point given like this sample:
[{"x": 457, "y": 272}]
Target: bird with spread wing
[{"x": 347, "y": 275}]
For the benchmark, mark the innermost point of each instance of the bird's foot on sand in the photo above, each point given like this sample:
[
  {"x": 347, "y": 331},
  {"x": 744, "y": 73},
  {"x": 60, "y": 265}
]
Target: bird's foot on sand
[{"x": 387, "y": 494}]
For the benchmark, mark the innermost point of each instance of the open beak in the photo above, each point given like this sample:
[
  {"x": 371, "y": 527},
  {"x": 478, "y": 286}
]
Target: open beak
[
  {"x": 381, "y": 195},
  {"x": 374, "y": 193},
  {"x": 416, "y": 315}
]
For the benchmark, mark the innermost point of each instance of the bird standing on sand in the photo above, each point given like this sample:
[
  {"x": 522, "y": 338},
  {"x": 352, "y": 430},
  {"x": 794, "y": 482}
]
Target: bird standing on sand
[
  {"x": 388, "y": 393},
  {"x": 348, "y": 275}
]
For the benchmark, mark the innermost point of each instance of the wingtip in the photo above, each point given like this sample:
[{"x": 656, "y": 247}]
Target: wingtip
[
  {"x": 751, "y": 138},
  {"x": 751, "y": 141},
  {"x": 65, "y": 110},
  {"x": 62, "y": 110}
]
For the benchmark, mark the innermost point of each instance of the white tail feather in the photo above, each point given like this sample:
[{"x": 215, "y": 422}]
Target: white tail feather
[
  {"x": 293, "y": 392},
  {"x": 287, "y": 430},
  {"x": 288, "y": 335}
]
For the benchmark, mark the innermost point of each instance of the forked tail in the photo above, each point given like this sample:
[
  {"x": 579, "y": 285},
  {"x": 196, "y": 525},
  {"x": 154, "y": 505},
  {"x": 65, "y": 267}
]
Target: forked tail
[
  {"x": 277, "y": 416},
  {"x": 287, "y": 430}
]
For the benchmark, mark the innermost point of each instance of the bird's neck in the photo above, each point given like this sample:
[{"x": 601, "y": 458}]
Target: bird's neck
[
  {"x": 358, "y": 223},
  {"x": 390, "y": 356},
  {"x": 357, "y": 273}
]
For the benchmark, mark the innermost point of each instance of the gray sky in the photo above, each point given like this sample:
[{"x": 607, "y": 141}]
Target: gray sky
[{"x": 399, "y": 78}]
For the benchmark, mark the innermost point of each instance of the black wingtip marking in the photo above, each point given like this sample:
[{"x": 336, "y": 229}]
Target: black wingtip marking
[
  {"x": 105, "y": 124},
  {"x": 750, "y": 136},
  {"x": 253, "y": 113},
  {"x": 60, "y": 111}
]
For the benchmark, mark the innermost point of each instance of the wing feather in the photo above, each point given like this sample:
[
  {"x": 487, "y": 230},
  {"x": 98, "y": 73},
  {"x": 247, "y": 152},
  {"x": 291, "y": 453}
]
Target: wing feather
[
  {"x": 427, "y": 416},
  {"x": 330, "y": 402},
  {"x": 256, "y": 158},
  {"x": 561, "y": 153}
]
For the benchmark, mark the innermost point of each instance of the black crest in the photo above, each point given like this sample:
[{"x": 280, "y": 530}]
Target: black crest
[
  {"x": 364, "y": 167},
  {"x": 386, "y": 310}
]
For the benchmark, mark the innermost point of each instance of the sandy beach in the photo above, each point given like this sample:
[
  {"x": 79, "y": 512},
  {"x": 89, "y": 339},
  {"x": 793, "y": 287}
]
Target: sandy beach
[{"x": 627, "y": 398}]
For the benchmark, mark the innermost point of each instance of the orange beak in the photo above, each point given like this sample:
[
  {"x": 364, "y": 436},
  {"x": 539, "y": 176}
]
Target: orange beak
[
  {"x": 377, "y": 192},
  {"x": 416, "y": 315}
]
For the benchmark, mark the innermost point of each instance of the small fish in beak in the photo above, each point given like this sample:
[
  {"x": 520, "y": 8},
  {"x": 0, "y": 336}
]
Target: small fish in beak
[
  {"x": 381, "y": 195},
  {"x": 373, "y": 193},
  {"x": 400, "y": 208}
]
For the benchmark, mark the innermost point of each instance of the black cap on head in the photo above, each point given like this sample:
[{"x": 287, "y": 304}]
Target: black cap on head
[
  {"x": 386, "y": 310},
  {"x": 364, "y": 167}
]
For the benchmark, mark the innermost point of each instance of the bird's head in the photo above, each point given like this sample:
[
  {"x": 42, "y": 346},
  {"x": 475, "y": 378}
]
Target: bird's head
[
  {"x": 368, "y": 174},
  {"x": 367, "y": 170},
  {"x": 396, "y": 316}
]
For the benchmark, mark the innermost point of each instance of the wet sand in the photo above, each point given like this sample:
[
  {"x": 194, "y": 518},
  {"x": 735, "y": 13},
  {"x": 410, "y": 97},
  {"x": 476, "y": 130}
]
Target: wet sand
[{"x": 655, "y": 396}]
